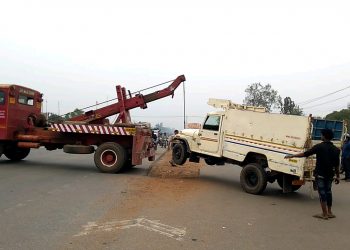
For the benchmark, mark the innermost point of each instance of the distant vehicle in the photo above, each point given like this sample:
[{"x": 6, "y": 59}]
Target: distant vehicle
[{"x": 257, "y": 141}]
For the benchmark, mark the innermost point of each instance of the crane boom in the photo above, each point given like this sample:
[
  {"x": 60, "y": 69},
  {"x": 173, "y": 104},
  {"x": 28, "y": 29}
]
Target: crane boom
[{"x": 125, "y": 103}]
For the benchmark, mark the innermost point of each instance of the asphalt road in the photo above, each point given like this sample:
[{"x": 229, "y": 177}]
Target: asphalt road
[{"x": 57, "y": 201}]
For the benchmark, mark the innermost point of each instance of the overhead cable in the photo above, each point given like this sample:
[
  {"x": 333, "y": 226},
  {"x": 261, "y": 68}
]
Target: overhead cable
[
  {"x": 326, "y": 102},
  {"x": 320, "y": 97},
  {"x": 136, "y": 92}
]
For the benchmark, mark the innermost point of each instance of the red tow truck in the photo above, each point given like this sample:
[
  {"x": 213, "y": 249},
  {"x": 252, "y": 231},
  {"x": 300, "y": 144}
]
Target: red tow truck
[{"x": 116, "y": 147}]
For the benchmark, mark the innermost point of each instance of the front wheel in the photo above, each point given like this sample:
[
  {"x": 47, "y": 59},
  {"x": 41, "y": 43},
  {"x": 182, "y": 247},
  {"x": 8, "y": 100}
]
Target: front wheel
[
  {"x": 179, "y": 154},
  {"x": 110, "y": 157},
  {"x": 253, "y": 178},
  {"x": 15, "y": 153}
]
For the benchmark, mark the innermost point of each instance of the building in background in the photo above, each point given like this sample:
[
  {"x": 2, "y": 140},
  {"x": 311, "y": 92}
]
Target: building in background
[{"x": 194, "y": 125}]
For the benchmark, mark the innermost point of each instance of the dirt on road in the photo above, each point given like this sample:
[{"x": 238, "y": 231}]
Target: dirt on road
[
  {"x": 163, "y": 168},
  {"x": 167, "y": 188}
]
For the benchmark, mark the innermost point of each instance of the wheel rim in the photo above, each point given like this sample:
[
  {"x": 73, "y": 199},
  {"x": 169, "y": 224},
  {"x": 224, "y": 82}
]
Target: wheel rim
[
  {"x": 108, "y": 158},
  {"x": 252, "y": 179}
]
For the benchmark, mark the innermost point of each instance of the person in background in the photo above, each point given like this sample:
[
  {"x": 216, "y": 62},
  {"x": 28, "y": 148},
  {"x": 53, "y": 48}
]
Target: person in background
[
  {"x": 345, "y": 158},
  {"x": 155, "y": 140},
  {"x": 327, "y": 162},
  {"x": 171, "y": 138},
  {"x": 163, "y": 140}
]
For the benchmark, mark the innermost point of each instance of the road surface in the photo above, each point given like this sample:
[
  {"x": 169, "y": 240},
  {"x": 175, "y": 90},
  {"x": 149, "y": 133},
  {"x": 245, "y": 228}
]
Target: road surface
[{"x": 54, "y": 200}]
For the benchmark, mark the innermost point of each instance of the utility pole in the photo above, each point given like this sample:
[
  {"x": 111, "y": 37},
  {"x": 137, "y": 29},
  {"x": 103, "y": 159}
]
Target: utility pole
[
  {"x": 184, "y": 94},
  {"x": 47, "y": 114}
]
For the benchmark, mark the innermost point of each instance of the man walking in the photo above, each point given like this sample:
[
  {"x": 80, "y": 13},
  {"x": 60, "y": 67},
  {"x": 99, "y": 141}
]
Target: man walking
[
  {"x": 345, "y": 157},
  {"x": 327, "y": 162}
]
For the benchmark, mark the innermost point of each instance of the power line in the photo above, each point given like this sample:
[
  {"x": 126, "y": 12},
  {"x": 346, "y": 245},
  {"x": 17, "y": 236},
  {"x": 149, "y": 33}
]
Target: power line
[
  {"x": 327, "y": 102},
  {"x": 135, "y": 92},
  {"x": 327, "y": 110},
  {"x": 320, "y": 97}
]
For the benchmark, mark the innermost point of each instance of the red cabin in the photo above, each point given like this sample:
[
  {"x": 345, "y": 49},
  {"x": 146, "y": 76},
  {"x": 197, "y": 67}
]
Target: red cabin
[{"x": 20, "y": 107}]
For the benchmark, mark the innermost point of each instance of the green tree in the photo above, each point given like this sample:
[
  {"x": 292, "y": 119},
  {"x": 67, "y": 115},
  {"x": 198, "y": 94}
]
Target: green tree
[
  {"x": 289, "y": 107},
  {"x": 54, "y": 118},
  {"x": 70, "y": 115},
  {"x": 261, "y": 96}
]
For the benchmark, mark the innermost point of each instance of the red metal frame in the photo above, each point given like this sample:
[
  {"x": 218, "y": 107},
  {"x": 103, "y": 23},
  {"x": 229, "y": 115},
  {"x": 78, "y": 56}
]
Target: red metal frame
[{"x": 124, "y": 104}]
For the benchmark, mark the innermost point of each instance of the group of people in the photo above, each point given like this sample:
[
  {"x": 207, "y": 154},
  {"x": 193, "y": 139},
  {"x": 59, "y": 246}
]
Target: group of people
[
  {"x": 327, "y": 165},
  {"x": 163, "y": 140}
]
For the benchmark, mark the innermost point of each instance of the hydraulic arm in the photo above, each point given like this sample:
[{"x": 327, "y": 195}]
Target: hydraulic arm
[{"x": 125, "y": 103}]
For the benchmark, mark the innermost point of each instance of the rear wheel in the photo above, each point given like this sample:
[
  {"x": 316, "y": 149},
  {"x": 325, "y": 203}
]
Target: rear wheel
[
  {"x": 288, "y": 179},
  {"x": 110, "y": 157},
  {"x": 253, "y": 178},
  {"x": 15, "y": 153},
  {"x": 179, "y": 154}
]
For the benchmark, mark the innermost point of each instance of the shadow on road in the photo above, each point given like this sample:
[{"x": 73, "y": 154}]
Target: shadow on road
[
  {"x": 36, "y": 165},
  {"x": 71, "y": 166},
  {"x": 270, "y": 191}
]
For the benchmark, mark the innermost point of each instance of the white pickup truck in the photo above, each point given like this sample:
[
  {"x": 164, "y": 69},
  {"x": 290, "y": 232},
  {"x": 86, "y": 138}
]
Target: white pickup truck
[{"x": 257, "y": 141}]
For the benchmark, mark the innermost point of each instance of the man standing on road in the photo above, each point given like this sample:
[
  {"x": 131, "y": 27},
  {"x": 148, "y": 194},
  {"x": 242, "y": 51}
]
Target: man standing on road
[
  {"x": 327, "y": 162},
  {"x": 171, "y": 138},
  {"x": 345, "y": 157}
]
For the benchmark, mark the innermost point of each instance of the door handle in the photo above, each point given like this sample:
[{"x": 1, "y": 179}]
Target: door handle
[
  {"x": 215, "y": 133},
  {"x": 199, "y": 134}
]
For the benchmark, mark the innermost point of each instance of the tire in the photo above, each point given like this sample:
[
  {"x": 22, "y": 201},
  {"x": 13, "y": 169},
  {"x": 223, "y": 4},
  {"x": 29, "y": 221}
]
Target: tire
[
  {"x": 110, "y": 157},
  {"x": 78, "y": 149},
  {"x": 179, "y": 154},
  {"x": 253, "y": 178},
  {"x": 15, "y": 153},
  {"x": 280, "y": 183},
  {"x": 210, "y": 161}
]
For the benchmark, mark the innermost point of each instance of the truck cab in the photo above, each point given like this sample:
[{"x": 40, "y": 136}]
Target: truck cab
[
  {"x": 20, "y": 107},
  {"x": 207, "y": 139}
]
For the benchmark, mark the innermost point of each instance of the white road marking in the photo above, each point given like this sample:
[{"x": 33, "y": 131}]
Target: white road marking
[{"x": 154, "y": 226}]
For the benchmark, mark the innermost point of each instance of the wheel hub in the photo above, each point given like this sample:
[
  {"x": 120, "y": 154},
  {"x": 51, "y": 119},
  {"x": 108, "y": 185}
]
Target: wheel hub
[
  {"x": 109, "y": 158},
  {"x": 252, "y": 179}
]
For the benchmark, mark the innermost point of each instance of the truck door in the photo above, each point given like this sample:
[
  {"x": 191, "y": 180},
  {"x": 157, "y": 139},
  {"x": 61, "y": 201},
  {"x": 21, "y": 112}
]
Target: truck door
[{"x": 209, "y": 135}]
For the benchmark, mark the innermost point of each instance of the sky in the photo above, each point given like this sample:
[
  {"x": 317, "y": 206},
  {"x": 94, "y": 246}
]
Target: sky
[{"x": 76, "y": 52}]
